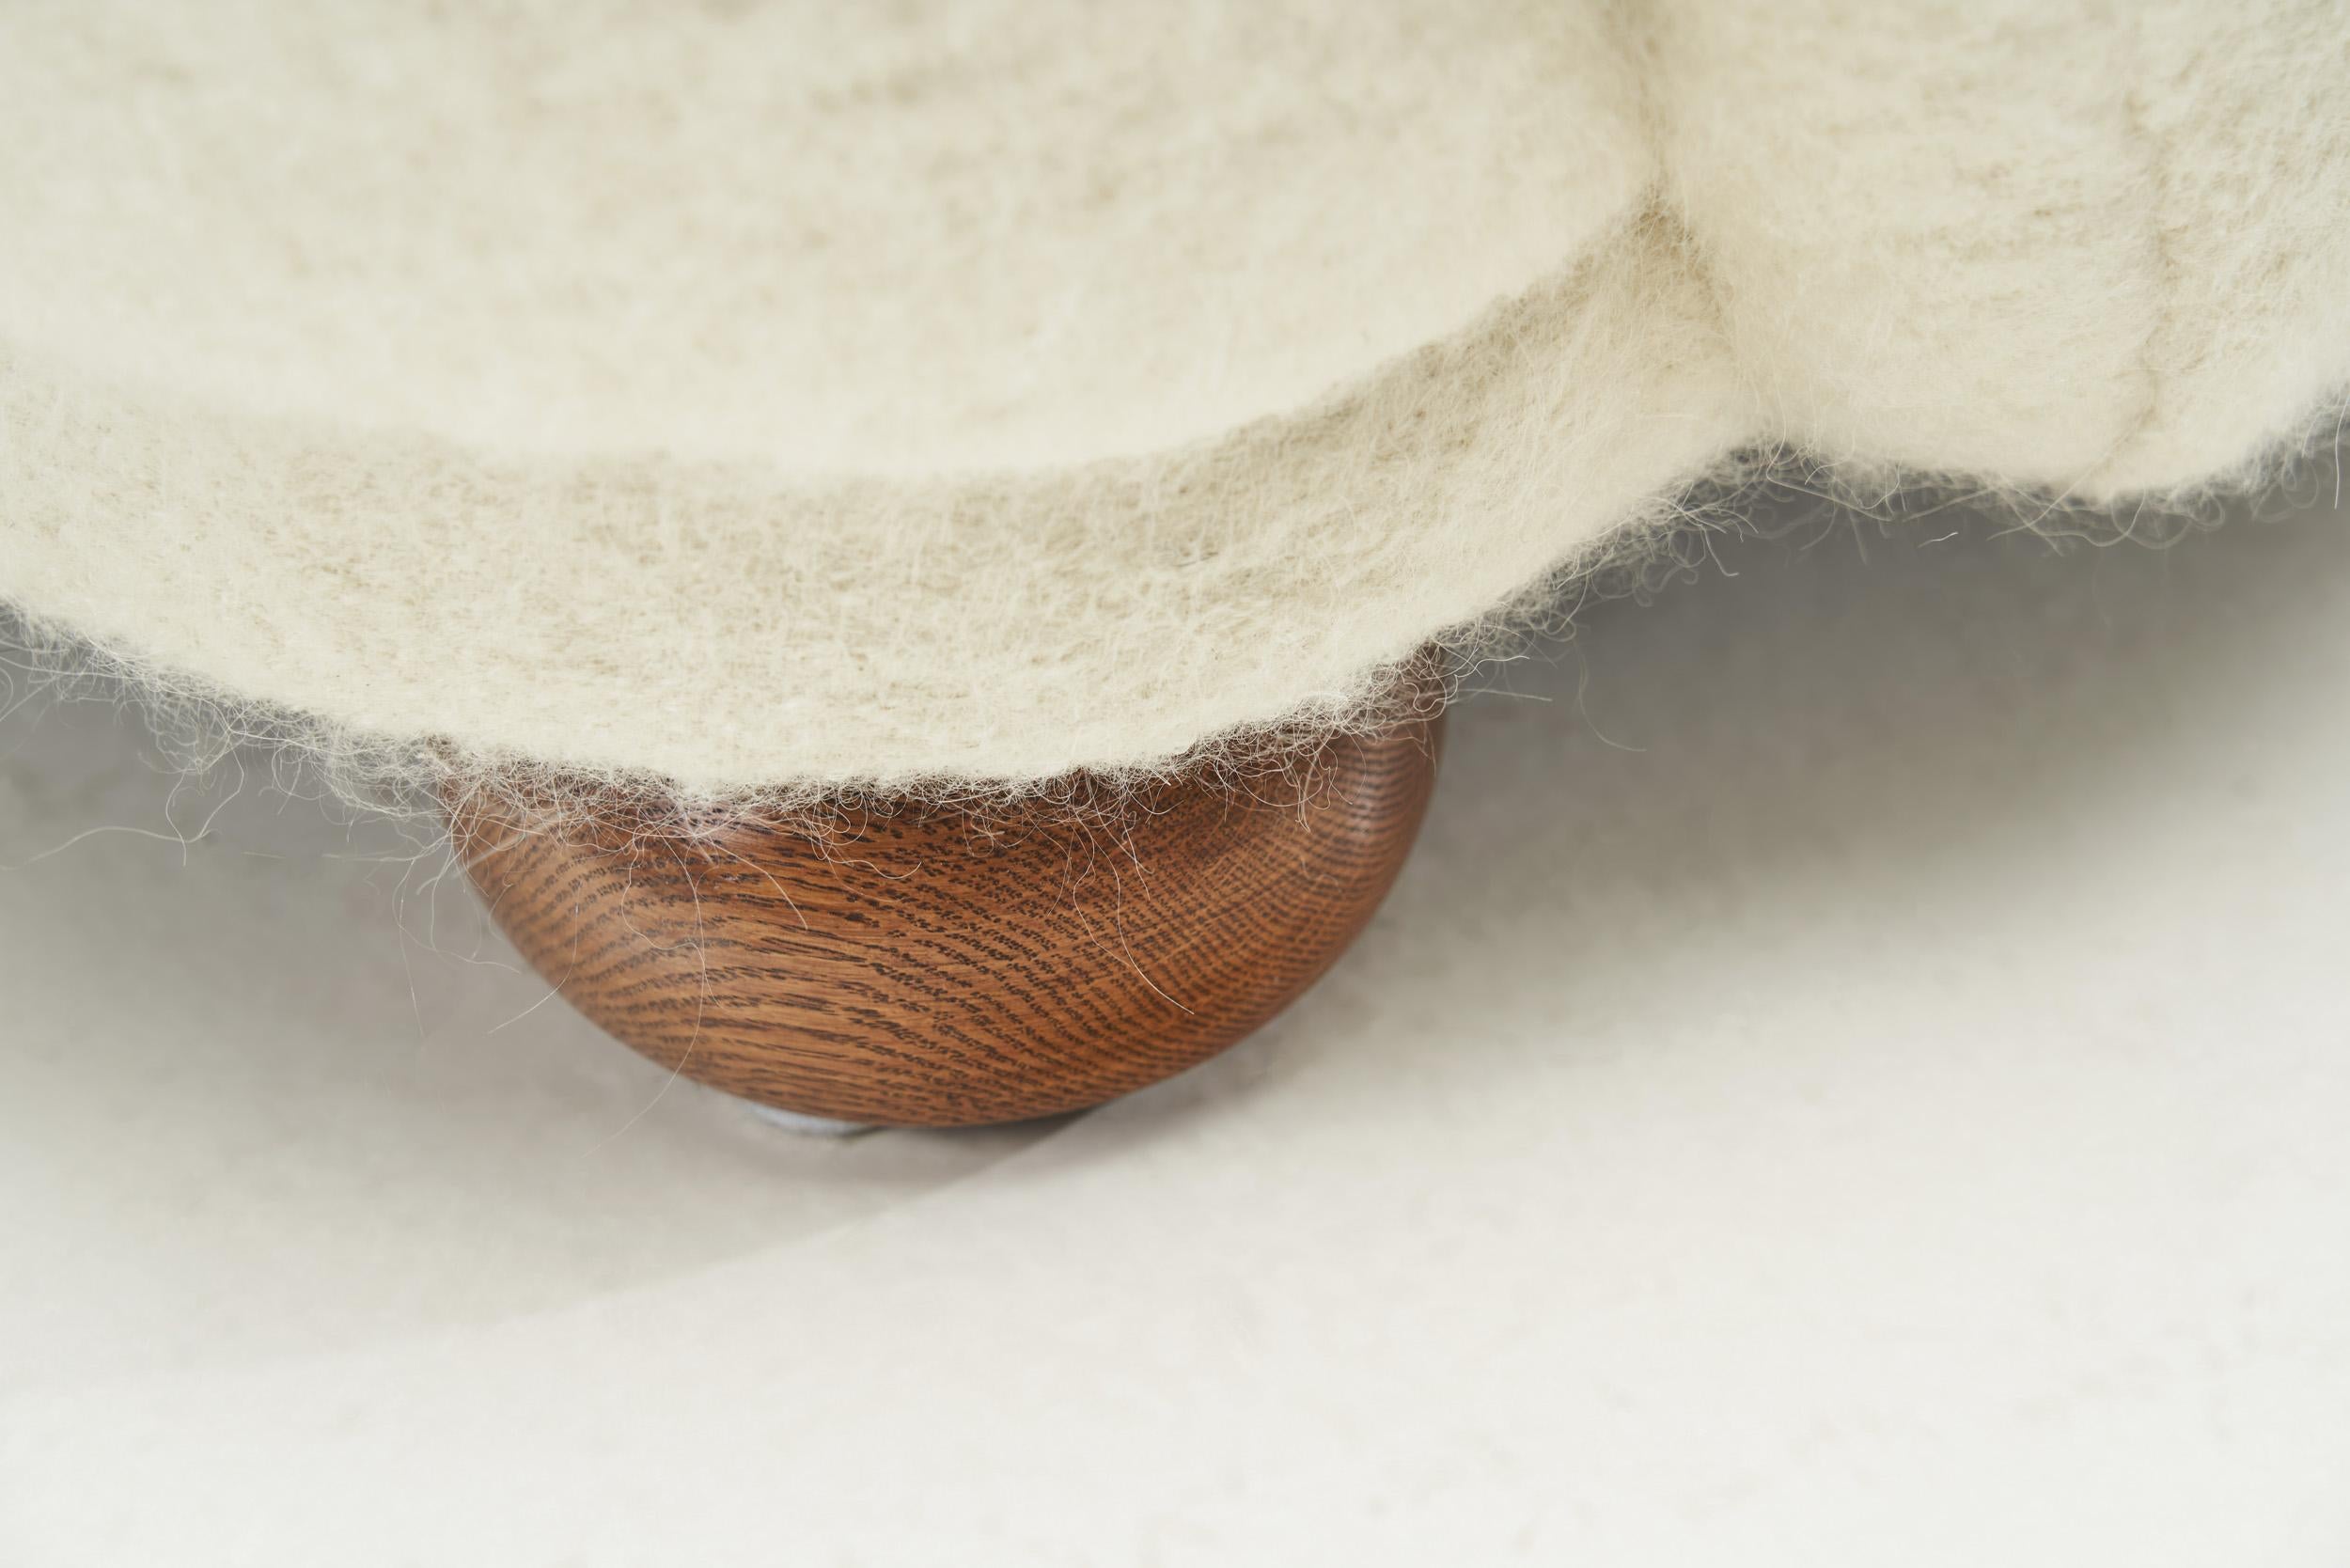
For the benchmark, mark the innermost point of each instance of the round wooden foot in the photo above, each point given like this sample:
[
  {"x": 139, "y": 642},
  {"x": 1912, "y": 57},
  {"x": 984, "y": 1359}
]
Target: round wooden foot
[{"x": 935, "y": 966}]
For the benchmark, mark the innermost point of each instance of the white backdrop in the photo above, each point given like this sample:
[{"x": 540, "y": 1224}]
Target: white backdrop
[{"x": 1855, "y": 1073}]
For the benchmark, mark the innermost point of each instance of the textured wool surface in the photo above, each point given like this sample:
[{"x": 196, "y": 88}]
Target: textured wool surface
[{"x": 764, "y": 398}]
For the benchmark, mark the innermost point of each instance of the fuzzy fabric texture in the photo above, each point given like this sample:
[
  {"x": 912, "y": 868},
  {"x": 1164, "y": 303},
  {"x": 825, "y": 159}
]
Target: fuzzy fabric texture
[{"x": 770, "y": 398}]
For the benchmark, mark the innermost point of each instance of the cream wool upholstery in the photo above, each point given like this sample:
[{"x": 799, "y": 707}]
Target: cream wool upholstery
[{"x": 764, "y": 397}]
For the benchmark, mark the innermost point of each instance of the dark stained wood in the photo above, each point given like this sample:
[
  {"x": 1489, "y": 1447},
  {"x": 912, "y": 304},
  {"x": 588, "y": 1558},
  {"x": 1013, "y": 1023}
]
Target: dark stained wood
[{"x": 940, "y": 967}]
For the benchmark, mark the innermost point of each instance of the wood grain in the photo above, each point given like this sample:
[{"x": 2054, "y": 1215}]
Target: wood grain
[{"x": 938, "y": 966}]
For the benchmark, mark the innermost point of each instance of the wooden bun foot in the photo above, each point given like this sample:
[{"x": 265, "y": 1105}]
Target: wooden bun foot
[{"x": 944, "y": 967}]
